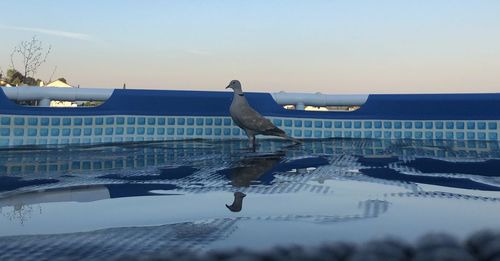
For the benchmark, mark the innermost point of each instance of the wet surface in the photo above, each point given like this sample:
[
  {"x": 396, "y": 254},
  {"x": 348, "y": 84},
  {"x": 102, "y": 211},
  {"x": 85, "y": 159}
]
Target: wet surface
[{"x": 112, "y": 200}]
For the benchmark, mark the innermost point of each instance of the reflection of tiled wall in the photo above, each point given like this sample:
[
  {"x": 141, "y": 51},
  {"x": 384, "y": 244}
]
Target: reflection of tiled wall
[{"x": 29, "y": 130}]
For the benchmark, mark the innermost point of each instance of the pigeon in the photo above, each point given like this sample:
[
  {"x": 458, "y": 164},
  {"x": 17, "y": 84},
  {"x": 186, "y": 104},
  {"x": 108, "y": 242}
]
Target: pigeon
[{"x": 252, "y": 122}]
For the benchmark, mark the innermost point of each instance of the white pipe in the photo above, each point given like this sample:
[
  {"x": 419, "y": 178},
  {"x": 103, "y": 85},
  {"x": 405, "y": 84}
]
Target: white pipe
[
  {"x": 90, "y": 94},
  {"x": 319, "y": 99},
  {"x": 25, "y": 93}
]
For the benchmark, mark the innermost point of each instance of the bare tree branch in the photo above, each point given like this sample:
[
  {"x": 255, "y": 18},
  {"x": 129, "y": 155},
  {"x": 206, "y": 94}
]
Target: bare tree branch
[{"x": 32, "y": 55}]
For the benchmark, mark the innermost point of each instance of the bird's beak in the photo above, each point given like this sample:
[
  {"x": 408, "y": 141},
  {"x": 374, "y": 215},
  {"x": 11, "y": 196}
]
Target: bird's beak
[{"x": 229, "y": 86}]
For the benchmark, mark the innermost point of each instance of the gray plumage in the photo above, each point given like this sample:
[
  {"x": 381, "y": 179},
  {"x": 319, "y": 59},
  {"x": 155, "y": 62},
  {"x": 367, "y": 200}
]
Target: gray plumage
[{"x": 252, "y": 122}]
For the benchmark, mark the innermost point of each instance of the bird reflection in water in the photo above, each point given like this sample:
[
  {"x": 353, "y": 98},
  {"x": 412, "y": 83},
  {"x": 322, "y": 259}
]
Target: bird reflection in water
[{"x": 249, "y": 170}]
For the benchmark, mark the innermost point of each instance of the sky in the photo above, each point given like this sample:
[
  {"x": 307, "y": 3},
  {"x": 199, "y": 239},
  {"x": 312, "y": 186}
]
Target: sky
[{"x": 334, "y": 46}]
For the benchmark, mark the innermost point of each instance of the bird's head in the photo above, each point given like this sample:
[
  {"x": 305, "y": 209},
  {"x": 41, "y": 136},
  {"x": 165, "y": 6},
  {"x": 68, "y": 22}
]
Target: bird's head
[{"x": 235, "y": 85}]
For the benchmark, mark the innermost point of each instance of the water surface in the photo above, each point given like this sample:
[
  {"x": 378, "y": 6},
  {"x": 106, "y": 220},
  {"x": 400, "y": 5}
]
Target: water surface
[{"x": 128, "y": 199}]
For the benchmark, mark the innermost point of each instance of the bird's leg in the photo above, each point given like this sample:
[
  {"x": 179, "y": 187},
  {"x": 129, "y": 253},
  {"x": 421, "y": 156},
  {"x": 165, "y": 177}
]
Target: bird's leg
[{"x": 251, "y": 142}]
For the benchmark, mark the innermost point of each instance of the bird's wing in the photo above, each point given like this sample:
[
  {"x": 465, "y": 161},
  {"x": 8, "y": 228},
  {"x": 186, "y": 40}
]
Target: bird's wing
[{"x": 252, "y": 120}]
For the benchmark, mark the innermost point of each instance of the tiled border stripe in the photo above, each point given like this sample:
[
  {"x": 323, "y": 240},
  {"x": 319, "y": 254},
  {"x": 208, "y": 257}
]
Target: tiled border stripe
[{"x": 39, "y": 130}]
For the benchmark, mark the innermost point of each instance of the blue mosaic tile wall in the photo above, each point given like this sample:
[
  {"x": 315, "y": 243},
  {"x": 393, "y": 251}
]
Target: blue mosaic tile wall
[{"x": 40, "y": 130}]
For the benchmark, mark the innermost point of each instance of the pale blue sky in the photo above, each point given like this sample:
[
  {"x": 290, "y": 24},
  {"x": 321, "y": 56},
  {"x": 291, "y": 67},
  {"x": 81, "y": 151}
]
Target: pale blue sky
[{"x": 350, "y": 46}]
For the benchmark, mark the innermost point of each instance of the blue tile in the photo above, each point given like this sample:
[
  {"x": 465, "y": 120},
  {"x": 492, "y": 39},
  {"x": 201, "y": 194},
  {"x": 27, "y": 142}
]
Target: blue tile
[
  {"x": 171, "y": 121},
  {"x": 5, "y": 120},
  {"x": 408, "y": 135},
  {"x": 357, "y": 124},
  {"x": 150, "y": 131},
  {"x": 98, "y": 131},
  {"x": 328, "y": 124},
  {"x": 4, "y": 142},
  {"x": 130, "y": 130},
  {"x": 151, "y": 121},
  {"x": 180, "y": 131},
  {"x": 377, "y": 134},
  {"x": 367, "y": 134},
  {"x": 297, "y": 133},
  {"x": 428, "y": 135},
  {"x": 161, "y": 121},
  {"x": 297, "y": 123},
  {"x": 377, "y": 124},
  {"x": 492, "y": 125},
  {"x": 140, "y": 130},
  {"x": 471, "y": 135},
  {"x": 481, "y": 125},
  {"x": 450, "y": 125},
  {"x": 338, "y": 124},
  {"x": 419, "y": 125},
  {"x": 318, "y": 134},
  {"x": 288, "y": 123},
  {"x": 347, "y": 124},
  {"x": 54, "y": 132},
  {"x": 481, "y": 136},
  {"x": 277, "y": 122},
  {"x": 471, "y": 125},
  {"x": 218, "y": 122},
  {"x": 460, "y": 135},
  {"x": 44, "y": 132},
  {"x": 347, "y": 134},
  {"x": 398, "y": 134},
  {"x": 217, "y": 131},
  {"x": 227, "y": 132},
  {"x": 367, "y": 124},
  {"x": 227, "y": 122},
  {"x": 88, "y": 131},
  {"x": 357, "y": 134},
  {"x": 100, "y": 120},
  {"x": 199, "y": 121},
  {"x": 18, "y": 121},
  {"x": 77, "y": 121},
  {"x": 109, "y": 120},
  {"x": 77, "y": 132},
  {"x": 159, "y": 131},
  {"x": 460, "y": 125},
  {"x": 318, "y": 124},
  {"x": 328, "y": 134},
  {"x": 18, "y": 132},
  {"x": 308, "y": 133},
  {"x": 287, "y": 131},
  {"x": 397, "y": 125},
  {"x": 307, "y": 123},
  {"x": 130, "y": 120},
  {"x": 337, "y": 134},
  {"x": 236, "y": 131},
  {"x": 429, "y": 125},
  {"x": 450, "y": 135},
  {"x": 66, "y": 121},
  {"x": 66, "y": 131},
  {"x": 387, "y": 134},
  {"x": 4, "y": 131},
  {"x": 439, "y": 125},
  {"x": 492, "y": 136},
  {"x": 408, "y": 124},
  {"x": 88, "y": 121},
  {"x": 120, "y": 120},
  {"x": 141, "y": 120},
  {"x": 387, "y": 125},
  {"x": 208, "y": 131},
  {"x": 170, "y": 131},
  {"x": 418, "y": 135},
  {"x": 32, "y": 121}
]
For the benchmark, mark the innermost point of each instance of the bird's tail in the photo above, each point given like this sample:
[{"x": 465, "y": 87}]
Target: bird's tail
[{"x": 294, "y": 140}]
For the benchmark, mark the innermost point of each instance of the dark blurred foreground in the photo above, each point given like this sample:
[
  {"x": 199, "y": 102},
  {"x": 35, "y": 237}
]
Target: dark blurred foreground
[{"x": 483, "y": 245}]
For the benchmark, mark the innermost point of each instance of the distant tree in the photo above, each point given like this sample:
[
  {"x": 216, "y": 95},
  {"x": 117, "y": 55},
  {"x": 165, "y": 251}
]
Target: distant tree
[
  {"x": 31, "y": 55},
  {"x": 14, "y": 77}
]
